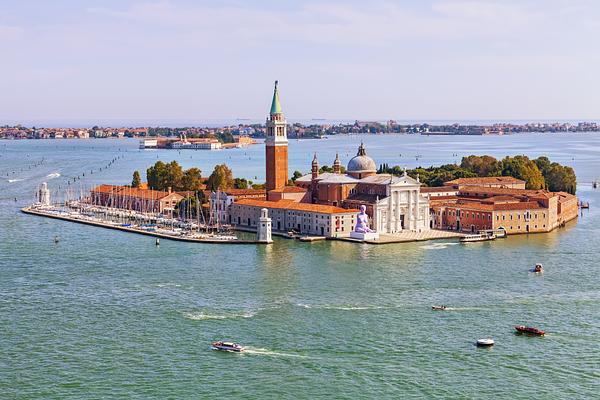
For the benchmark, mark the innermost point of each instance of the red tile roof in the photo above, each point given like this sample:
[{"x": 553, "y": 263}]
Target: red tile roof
[
  {"x": 126, "y": 191},
  {"x": 245, "y": 192}
]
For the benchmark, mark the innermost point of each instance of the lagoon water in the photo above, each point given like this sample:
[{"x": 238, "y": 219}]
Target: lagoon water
[{"x": 106, "y": 314}]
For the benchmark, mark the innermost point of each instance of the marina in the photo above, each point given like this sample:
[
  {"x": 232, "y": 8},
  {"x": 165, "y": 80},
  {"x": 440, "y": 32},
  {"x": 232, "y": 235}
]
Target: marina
[{"x": 165, "y": 232}]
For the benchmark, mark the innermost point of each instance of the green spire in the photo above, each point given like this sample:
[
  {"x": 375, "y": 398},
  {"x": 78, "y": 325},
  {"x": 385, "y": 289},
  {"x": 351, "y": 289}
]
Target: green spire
[{"x": 275, "y": 105}]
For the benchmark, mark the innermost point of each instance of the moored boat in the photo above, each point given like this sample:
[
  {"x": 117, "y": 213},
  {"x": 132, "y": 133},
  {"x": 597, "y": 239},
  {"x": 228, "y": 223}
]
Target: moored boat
[
  {"x": 227, "y": 346},
  {"x": 486, "y": 342},
  {"x": 530, "y": 330}
]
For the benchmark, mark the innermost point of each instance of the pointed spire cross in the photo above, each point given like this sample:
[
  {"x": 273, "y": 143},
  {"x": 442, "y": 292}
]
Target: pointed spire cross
[{"x": 275, "y": 105}]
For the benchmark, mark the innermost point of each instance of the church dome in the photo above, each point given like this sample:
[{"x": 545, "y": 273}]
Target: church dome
[{"x": 362, "y": 163}]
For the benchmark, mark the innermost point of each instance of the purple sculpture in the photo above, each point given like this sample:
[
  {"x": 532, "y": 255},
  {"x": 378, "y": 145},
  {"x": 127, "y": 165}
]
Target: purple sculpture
[{"x": 362, "y": 221}]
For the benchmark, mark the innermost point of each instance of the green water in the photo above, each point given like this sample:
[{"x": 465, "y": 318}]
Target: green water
[{"x": 106, "y": 314}]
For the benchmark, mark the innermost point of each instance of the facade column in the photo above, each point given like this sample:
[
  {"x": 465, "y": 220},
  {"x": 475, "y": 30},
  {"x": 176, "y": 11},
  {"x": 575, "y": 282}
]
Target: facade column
[
  {"x": 397, "y": 210},
  {"x": 389, "y": 213},
  {"x": 416, "y": 210},
  {"x": 407, "y": 215}
]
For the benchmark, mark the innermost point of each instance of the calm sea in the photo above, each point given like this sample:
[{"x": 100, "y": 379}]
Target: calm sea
[{"x": 105, "y": 314}]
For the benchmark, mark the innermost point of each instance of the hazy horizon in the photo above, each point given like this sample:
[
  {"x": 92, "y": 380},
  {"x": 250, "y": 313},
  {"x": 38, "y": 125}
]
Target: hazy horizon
[{"x": 434, "y": 60}]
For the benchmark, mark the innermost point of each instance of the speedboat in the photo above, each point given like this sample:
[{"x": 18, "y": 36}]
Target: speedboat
[
  {"x": 529, "y": 330},
  {"x": 486, "y": 342},
  {"x": 538, "y": 269},
  {"x": 227, "y": 346},
  {"x": 438, "y": 308}
]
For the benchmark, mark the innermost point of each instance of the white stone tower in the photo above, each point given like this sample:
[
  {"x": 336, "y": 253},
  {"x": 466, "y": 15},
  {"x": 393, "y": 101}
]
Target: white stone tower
[
  {"x": 44, "y": 194},
  {"x": 263, "y": 233}
]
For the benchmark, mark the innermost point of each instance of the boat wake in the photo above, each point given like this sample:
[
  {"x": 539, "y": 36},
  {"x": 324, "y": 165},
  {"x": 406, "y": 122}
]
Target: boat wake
[
  {"x": 437, "y": 246},
  {"x": 340, "y": 307},
  {"x": 16, "y": 180},
  {"x": 267, "y": 352},
  {"x": 200, "y": 316},
  {"x": 53, "y": 175},
  {"x": 168, "y": 285}
]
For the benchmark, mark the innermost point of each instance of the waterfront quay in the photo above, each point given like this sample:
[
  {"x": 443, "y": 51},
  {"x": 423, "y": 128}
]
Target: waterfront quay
[{"x": 149, "y": 229}]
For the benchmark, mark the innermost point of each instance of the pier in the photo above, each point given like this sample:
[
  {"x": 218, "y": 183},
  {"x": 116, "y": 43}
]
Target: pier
[{"x": 49, "y": 213}]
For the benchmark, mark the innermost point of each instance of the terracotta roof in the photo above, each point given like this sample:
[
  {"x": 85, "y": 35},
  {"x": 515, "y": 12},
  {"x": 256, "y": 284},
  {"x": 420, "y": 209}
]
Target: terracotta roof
[
  {"x": 126, "y": 191},
  {"x": 240, "y": 192},
  {"x": 292, "y": 205},
  {"x": 482, "y": 206},
  {"x": 107, "y": 189},
  {"x": 507, "y": 191},
  {"x": 435, "y": 189},
  {"x": 523, "y": 205},
  {"x": 364, "y": 198},
  {"x": 290, "y": 189},
  {"x": 486, "y": 180}
]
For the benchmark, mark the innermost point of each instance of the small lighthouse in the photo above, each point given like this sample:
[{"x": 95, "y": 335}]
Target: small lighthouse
[
  {"x": 44, "y": 194},
  {"x": 263, "y": 233}
]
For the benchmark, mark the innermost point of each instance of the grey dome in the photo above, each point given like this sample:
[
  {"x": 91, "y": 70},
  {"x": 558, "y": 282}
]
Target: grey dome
[{"x": 362, "y": 162}]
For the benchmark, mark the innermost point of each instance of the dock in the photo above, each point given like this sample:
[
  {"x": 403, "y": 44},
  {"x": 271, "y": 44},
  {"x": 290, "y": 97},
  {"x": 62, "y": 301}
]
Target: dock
[
  {"x": 408, "y": 236},
  {"x": 42, "y": 213}
]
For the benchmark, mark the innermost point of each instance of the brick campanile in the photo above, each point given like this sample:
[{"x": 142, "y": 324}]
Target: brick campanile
[{"x": 276, "y": 147}]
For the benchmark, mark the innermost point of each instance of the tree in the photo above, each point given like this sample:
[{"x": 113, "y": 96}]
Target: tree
[
  {"x": 191, "y": 179},
  {"x": 325, "y": 168},
  {"x": 136, "y": 181},
  {"x": 482, "y": 165},
  {"x": 560, "y": 178},
  {"x": 162, "y": 176},
  {"x": 521, "y": 167},
  {"x": 297, "y": 174},
  {"x": 240, "y": 183},
  {"x": 156, "y": 175},
  {"x": 221, "y": 178}
]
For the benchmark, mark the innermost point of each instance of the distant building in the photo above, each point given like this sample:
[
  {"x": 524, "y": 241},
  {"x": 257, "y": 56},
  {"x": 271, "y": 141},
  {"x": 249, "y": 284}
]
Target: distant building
[
  {"x": 287, "y": 215},
  {"x": 222, "y": 199},
  {"x": 477, "y": 208},
  {"x": 488, "y": 181},
  {"x": 140, "y": 200}
]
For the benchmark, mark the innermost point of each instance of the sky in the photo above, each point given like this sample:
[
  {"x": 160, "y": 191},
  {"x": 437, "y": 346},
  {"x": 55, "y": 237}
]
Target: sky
[{"x": 194, "y": 60}]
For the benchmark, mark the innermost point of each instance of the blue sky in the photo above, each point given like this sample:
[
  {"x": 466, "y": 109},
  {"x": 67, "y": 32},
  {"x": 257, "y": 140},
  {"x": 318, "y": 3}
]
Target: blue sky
[{"x": 197, "y": 60}]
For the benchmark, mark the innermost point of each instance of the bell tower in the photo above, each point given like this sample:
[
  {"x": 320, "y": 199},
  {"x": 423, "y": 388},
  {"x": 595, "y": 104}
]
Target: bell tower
[{"x": 276, "y": 147}]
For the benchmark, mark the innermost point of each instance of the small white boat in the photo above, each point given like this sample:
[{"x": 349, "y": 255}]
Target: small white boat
[
  {"x": 480, "y": 237},
  {"x": 227, "y": 346},
  {"x": 485, "y": 342}
]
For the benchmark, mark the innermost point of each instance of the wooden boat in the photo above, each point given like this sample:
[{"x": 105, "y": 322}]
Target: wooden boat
[
  {"x": 227, "y": 346},
  {"x": 530, "y": 330},
  {"x": 480, "y": 237},
  {"x": 486, "y": 342}
]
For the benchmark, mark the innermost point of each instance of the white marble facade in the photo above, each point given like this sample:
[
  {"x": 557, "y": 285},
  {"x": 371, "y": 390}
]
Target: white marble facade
[{"x": 404, "y": 208}]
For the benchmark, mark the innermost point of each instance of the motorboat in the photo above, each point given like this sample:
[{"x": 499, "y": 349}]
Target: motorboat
[
  {"x": 538, "y": 269},
  {"x": 485, "y": 342},
  {"x": 227, "y": 346},
  {"x": 479, "y": 237},
  {"x": 438, "y": 308},
  {"x": 529, "y": 330}
]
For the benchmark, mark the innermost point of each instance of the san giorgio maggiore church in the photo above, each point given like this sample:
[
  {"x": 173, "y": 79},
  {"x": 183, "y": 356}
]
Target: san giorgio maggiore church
[{"x": 325, "y": 204}]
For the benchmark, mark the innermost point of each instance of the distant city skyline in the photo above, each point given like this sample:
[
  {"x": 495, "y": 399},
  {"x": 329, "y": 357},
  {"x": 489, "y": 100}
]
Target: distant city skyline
[{"x": 69, "y": 62}]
